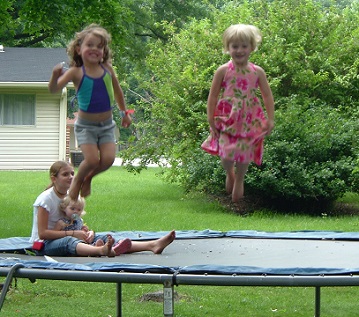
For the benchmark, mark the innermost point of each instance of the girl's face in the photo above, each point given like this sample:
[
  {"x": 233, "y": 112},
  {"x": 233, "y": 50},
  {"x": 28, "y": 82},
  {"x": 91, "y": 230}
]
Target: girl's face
[
  {"x": 91, "y": 49},
  {"x": 240, "y": 52},
  {"x": 73, "y": 209},
  {"x": 63, "y": 179}
]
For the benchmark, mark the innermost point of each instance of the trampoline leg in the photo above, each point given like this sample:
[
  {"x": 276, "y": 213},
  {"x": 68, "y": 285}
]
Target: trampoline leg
[
  {"x": 317, "y": 301},
  {"x": 8, "y": 281},
  {"x": 119, "y": 299},
  {"x": 168, "y": 299}
]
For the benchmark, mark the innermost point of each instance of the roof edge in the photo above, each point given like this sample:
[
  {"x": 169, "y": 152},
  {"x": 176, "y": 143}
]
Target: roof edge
[{"x": 29, "y": 84}]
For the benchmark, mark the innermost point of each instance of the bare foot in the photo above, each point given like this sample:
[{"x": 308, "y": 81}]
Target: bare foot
[
  {"x": 160, "y": 244},
  {"x": 86, "y": 187},
  {"x": 122, "y": 246},
  {"x": 99, "y": 243},
  {"x": 107, "y": 248}
]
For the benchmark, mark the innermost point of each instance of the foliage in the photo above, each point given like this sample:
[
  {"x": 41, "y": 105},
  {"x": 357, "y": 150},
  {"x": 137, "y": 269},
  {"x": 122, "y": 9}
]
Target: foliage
[
  {"x": 309, "y": 159},
  {"x": 311, "y": 62},
  {"x": 132, "y": 24}
]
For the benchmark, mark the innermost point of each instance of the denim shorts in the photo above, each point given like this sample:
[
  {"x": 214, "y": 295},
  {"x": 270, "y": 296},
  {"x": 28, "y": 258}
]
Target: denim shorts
[
  {"x": 89, "y": 132},
  {"x": 61, "y": 247},
  {"x": 65, "y": 246}
]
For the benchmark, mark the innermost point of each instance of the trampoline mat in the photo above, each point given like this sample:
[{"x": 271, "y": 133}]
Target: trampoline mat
[{"x": 224, "y": 254}]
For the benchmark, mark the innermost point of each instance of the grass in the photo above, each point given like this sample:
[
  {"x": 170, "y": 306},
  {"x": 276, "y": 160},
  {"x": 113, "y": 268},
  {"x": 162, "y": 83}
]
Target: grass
[{"x": 124, "y": 201}]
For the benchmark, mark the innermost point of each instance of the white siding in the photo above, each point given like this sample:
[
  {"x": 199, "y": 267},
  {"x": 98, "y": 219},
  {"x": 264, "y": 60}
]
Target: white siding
[{"x": 35, "y": 147}]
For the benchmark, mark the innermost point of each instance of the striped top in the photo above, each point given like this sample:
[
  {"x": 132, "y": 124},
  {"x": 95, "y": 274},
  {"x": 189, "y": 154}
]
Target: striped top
[{"x": 95, "y": 95}]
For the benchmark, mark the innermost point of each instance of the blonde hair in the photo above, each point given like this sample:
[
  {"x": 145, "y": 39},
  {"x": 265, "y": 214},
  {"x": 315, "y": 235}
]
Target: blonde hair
[
  {"x": 67, "y": 200},
  {"x": 242, "y": 32},
  {"x": 75, "y": 58}
]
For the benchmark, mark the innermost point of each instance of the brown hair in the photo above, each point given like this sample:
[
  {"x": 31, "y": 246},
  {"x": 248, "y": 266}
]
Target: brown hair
[
  {"x": 55, "y": 169},
  {"x": 75, "y": 58}
]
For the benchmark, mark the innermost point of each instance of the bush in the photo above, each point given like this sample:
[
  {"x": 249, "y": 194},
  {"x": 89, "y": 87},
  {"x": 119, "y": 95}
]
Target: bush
[{"x": 309, "y": 160}]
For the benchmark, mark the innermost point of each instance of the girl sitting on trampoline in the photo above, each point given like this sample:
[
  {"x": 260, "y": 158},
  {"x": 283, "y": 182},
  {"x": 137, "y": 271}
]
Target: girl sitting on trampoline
[{"x": 46, "y": 213}]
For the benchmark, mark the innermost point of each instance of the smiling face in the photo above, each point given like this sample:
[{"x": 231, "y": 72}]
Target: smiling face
[
  {"x": 92, "y": 49},
  {"x": 240, "y": 51}
]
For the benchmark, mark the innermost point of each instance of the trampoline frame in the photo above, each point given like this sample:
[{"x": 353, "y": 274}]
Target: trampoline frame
[{"x": 170, "y": 280}]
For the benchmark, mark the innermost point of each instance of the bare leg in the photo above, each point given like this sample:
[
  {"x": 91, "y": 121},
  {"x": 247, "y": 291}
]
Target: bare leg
[
  {"x": 230, "y": 175},
  {"x": 155, "y": 246},
  {"x": 90, "y": 162},
  {"x": 107, "y": 157},
  {"x": 83, "y": 249},
  {"x": 238, "y": 188}
]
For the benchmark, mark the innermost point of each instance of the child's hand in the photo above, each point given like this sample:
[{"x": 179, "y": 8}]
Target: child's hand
[
  {"x": 90, "y": 236},
  {"x": 126, "y": 121},
  {"x": 214, "y": 131},
  {"x": 269, "y": 126},
  {"x": 58, "y": 70},
  {"x": 85, "y": 228}
]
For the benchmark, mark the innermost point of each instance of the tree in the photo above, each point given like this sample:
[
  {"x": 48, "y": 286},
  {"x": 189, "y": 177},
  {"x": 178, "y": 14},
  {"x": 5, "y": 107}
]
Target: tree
[
  {"x": 300, "y": 54},
  {"x": 132, "y": 24}
]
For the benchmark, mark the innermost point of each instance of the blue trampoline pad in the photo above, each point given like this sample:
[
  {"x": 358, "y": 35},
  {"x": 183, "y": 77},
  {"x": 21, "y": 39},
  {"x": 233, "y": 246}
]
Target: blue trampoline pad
[{"x": 213, "y": 252}]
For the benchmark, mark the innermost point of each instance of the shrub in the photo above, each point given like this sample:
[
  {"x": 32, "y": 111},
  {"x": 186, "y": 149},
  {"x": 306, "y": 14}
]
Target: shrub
[{"x": 309, "y": 160}]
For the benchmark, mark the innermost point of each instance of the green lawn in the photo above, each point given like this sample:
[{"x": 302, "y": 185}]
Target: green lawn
[{"x": 124, "y": 201}]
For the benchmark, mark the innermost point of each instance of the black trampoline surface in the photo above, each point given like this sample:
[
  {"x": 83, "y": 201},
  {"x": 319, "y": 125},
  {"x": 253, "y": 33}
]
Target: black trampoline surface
[{"x": 235, "y": 252}]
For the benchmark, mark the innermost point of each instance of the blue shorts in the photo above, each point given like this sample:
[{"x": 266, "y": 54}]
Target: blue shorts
[
  {"x": 65, "y": 246},
  {"x": 89, "y": 132}
]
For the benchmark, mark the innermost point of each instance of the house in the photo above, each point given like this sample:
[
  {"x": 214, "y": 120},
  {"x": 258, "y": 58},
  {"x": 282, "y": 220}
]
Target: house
[{"x": 32, "y": 121}]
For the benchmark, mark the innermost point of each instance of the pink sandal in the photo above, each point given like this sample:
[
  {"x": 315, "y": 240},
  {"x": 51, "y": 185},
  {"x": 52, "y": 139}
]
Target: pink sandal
[{"x": 122, "y": 246}]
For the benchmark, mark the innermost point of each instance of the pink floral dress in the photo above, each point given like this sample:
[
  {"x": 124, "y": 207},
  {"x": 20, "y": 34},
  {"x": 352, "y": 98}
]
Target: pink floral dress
[{"x": 239, "y": 117}]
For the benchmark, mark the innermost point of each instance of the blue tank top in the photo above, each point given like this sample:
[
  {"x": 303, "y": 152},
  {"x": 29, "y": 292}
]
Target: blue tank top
[{"x": 95, "y": 95}]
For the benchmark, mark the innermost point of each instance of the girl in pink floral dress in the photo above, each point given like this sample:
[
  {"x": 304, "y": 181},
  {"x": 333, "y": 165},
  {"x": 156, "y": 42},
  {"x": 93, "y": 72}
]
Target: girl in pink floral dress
[{"x": 237, "y": 121}]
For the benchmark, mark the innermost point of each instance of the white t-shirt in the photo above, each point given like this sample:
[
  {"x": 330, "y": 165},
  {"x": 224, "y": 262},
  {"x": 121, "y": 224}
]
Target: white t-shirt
[{"x": 51, "y": 202}]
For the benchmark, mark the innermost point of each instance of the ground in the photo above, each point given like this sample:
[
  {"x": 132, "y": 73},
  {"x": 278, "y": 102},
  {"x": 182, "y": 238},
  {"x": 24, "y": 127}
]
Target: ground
[{"x": 250, "y": 204}]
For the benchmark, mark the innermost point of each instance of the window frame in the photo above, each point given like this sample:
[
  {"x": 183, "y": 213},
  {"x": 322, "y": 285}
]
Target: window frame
[{"x": 21, "y": 102}]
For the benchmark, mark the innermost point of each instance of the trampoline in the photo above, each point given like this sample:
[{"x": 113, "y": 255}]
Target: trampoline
[{"x": 235, "y": 258}]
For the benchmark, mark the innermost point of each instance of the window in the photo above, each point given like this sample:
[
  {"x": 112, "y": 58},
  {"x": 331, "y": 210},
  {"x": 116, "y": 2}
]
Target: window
[{"x": 17, "y": 109}]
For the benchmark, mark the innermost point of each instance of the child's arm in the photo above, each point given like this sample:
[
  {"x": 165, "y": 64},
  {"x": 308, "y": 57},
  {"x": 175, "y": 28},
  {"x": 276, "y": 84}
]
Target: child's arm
[
  {"x": 85, "y": 228},
  {"x": 213, "y": 97},
  {"x": 59, "y": 79},
  {"x": 267, "y": 99},
  {"x": 119, "y": 97},
  {"x": 60, "y": 225}
]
